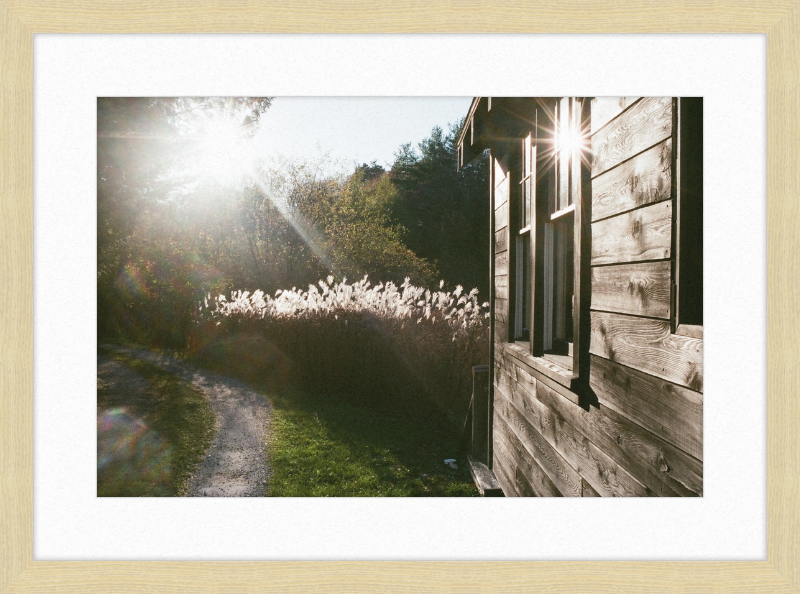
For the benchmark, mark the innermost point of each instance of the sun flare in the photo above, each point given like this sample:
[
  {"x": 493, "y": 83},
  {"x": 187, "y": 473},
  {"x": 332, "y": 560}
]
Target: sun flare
[{"x": 223, "y": 152}]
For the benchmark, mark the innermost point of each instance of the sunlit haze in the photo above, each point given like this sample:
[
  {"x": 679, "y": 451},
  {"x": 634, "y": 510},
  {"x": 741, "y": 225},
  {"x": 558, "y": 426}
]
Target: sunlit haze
[{"x": 353, "y": 129}]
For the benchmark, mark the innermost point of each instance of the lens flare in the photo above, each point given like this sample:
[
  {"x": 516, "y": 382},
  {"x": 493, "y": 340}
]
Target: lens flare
[{"x": 132, "y": 459}]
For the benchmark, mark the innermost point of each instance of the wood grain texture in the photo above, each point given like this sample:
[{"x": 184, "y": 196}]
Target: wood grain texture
[
  {"x": 661, "y": 467},
  {"x": 505, "y": 476},
  {"x": 664, "y": 469},
  {"x": 500, "y": 240},
  {"x": 647, "y": 122},
  {"x": 600, "y": 470},
  {"x": 558, "y": 470},
  {"x": 649, "y": 346},
  {"x": 501, "y": 263},
  {"x": 501, "y": 193},
  {"x": 499, "y": 179},
  {"x": 501, "y": 217},
  {"x": 501, "y": 309},
  {"x": 533, "y": 370},
  {"x": 501, "y": 286},
  {"x": 530, "y": 479},
  {"x": 642, "y": 180},
  {"x": 20, "y": 20},
  {"x": 587, "y": 489},
  {"x": 523, "y": 485},
  {"x": 639, "y": 289},
  {"x": 672, "y": 412},
  {"x": 604, "y": 109},
  {"x": 500, "y": 331},
  {"x": 642, "y": 234},
  {"x": 531, "y": 364}
]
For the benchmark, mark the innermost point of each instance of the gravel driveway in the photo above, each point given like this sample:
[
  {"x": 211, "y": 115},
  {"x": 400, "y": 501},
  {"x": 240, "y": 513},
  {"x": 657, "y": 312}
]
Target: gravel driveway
[{"x": 235, "y": 465}]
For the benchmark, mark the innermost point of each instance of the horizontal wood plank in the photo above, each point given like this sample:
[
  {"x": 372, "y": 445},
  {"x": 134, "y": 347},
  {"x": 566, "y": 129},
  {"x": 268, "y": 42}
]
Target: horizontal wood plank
[
  {"x": 639, "y": 451},
  {"x": 501, "y": 263},
  {"x": 537, "y": 366},
  {"x": 672, "y": 412},
  {"x": 500, "y": 332},
  {"x": 645, "y": 179},
  {"x": 500, "y": 468},
  {"x": 501, "y": 286},
  {"x": 501, "y": 196},
  {"x": 648, "y": 345},
  {"x": 523, "y": 485},
  {"x": 530, "y": 479},
  {"x": 501, "y": 240},
  {"x": 640, "y": 289},
  {"x": 501, "y": 217},
  {"x": 512, "y": 388},
  {"x": 557, "y": 469},
  {"x": 523, "y": 364},
  {"x": 501, "y": 310},
  {"x": 499, "y": 176},
  {"x": 660, "y": 466},
  {"x": 604, "y": 109},
  {"x": 604, "y": 474},
  {"x": 646, "y": 123},
  {"x": 587, "y": 489},
  {"x": 642, "y": 234},
  {"x": 690, "y": 330}
]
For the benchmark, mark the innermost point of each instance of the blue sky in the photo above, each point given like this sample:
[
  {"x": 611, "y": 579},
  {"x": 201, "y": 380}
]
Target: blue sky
[{"x": 353, "y": 129}]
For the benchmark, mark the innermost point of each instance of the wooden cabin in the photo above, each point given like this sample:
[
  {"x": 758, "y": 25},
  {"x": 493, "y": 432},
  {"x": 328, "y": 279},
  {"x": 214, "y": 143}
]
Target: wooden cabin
[{"x": 596, "y": 386}]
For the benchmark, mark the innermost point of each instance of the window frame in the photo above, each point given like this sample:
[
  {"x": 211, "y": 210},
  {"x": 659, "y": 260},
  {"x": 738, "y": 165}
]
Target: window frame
[
  {"x": 529, "y": 176},
  {"x": 687, "y": 165},
  {"x": 521, "y": 228}
]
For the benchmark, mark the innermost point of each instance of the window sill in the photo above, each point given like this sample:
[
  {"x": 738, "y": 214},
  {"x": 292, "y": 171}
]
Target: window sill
[
  {"x": 563, "y": 212},
  {"x": 550, "y": 369}
]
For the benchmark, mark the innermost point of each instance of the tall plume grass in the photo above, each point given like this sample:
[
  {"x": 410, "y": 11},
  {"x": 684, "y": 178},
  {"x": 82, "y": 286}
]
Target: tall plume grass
[{"x": 401, "y": 347}]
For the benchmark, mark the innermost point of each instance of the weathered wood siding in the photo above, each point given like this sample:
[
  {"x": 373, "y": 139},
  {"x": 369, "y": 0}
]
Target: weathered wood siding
[
  {"x": 641, "y": 434},
  {"x": 500, "y": 190}
]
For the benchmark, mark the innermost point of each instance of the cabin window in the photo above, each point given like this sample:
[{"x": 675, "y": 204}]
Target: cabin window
[
  {"x": 558, "y": 187},
  {"x": 523, "y": 256},
  {"x": 547, "y": 272},
  {"x": 689, "y": 216}
]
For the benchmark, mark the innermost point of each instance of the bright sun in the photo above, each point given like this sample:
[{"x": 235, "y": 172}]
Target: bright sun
[{"x": 224, "y": 152}]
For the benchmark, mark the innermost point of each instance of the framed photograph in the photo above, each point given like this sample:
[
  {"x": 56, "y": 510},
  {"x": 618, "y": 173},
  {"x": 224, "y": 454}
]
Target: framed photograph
[{"x": 63, "y": 535}]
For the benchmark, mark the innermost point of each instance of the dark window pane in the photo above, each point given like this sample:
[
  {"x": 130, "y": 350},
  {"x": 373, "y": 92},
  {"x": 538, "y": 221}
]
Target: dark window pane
[{"x": 690, "y": 249}]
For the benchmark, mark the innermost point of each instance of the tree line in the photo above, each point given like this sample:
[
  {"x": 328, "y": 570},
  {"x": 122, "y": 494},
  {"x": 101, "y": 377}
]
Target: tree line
[{"x": 168, "y": 236}]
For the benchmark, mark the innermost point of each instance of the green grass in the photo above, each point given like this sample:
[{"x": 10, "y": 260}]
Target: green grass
[
  {"x": 182, "y": 421},
  {"x": 323, "y": 447}
]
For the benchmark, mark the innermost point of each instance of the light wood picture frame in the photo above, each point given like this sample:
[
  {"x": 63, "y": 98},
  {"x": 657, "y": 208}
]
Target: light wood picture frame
[{"x": 779, "y": 20}]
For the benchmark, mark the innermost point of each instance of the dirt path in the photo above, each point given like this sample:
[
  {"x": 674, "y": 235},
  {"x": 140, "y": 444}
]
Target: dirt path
[{"x": 235, "y": 464}]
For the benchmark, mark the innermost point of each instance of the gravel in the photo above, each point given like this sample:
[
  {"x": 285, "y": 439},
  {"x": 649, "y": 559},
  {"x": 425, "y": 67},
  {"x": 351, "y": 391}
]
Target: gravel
[{"x": 236, "y": 463}]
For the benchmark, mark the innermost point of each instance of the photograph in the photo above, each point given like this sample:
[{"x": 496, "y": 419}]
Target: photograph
[
  {"x": 369, "y": 291},
  {"x": 399, "y": 296}
]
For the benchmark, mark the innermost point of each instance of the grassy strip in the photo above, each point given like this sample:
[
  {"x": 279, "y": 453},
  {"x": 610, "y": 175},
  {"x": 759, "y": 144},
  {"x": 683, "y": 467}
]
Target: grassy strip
[
  {"x": 181, "y": 416},
  {"x": 324, "y": 446},
  {"x": 330, "y": 448}
]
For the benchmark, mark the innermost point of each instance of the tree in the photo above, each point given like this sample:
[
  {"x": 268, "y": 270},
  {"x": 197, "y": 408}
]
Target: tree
[
  {"x": 313, "y": 225},
  {"x": 363, "y": 239},
  {"x": 444, "y": 210},
  {"x": 155, "y": 257}
]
